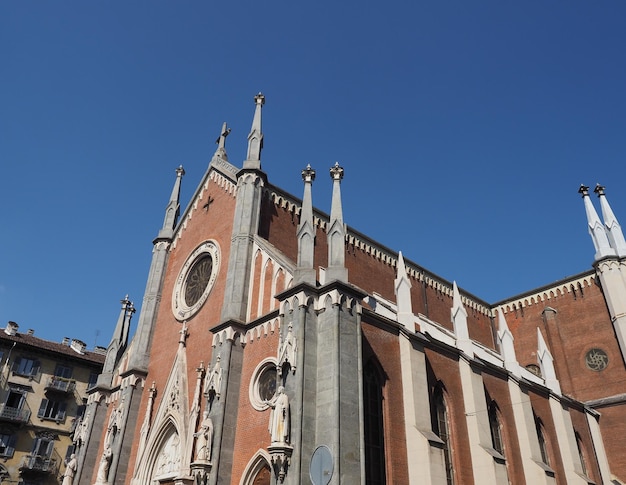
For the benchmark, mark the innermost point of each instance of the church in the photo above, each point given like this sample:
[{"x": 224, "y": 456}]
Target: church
[{"x": 277, "y": 345}]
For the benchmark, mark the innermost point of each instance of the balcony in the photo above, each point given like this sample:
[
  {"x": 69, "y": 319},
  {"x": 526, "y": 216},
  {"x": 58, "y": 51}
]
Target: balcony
[
  {"x": 15, "y": 415},
  {"x": 40, "y": 464},
  {"x": 60, "y": 384}
]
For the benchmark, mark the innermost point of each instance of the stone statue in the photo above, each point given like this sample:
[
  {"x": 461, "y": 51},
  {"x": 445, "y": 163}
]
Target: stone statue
[
  {"x": 213, "y": 379},
  {"x": 279, "y": 417},
  {"x": 287, "y": 351},
  {"x": 204, "y": 439},
  {"x": 70, "y": 470},
  {"x": 103, "y": 469}
]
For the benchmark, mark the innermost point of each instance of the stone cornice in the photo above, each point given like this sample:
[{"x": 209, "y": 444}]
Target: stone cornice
[{"x": 546, "y": 293}]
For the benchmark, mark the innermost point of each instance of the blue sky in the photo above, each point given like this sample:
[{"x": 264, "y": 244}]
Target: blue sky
[{"x": 464, "y": 128}]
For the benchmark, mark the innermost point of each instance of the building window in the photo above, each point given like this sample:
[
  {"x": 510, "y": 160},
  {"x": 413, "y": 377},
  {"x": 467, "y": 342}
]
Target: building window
[
  {"x": 93, "y": 379},
  {"x": 543, "y": 447},
  {"x": 7, "y": 444},
  {"x": 26, "y": 367},
  {"x": 39, "y": 459},
  {"x": 63, "y": 371},
  {"x": 54, "y": 410},
  {"x": 495, "y": 428},
  {"x": 374, "y": 430},
  {"x": 441, "y": 427},
  {"x": 581, "y": 453}
]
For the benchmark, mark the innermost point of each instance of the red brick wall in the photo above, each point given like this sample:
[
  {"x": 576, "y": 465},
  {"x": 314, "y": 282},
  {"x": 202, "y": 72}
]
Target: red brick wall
[
  {"x": 384, "y": 347},
  {"x": 444, "y": 367},
  {"x": 214, "y": 223},
  {"x": 498, "y": 390},
  {"x": 252, "y": 430},
  {"x": 579, "y": 325},
  {"x": 541, "y": 408}
]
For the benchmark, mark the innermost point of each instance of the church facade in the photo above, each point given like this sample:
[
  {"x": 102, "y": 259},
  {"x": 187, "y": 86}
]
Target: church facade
[{"x": 276, "y": 345}]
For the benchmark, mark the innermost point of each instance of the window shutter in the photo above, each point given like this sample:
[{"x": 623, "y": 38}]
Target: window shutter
[
  {"x": 35, "y": 370},
  {"x": 49, "y": 449},
  {"x": 42, "y": 408},
  {"x": 61, "y": 412},
  {"x": 16, "y": 364},
  {"x": 70, "y": 450},
  {"x": 10, "y": 448}
]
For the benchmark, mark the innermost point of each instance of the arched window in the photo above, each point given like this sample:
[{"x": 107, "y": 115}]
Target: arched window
[
  {"x": 441, "y": 427},
  {"x": 258, "y": 471},
  {"x": 374, "y": 431},
  {"x": 543, "y": 447}
]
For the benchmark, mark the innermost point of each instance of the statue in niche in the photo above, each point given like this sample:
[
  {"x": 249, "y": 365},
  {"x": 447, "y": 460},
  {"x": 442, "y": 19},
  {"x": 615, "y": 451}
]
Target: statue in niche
[
  {"x": 287, "y": 350},
  {"x": 279, "y": 417},
  {"x": 213, "y": 379},
  {"x": 80, "y": 435},
  {"x": 204, "y": 439},
  {"x": 70, "y": 470},
  {"x": 103, "y": 468}
]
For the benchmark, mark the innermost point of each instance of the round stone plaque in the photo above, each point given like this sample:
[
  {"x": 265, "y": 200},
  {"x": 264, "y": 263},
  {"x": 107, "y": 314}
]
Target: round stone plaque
[{"x": 321, "y": 469}]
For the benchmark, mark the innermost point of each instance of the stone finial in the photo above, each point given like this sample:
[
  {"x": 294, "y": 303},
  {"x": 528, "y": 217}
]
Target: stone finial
[
  {"x": 612, "y": 226},
  {"x": 583, "y": 190},
  {"x": 546, "y": 364},
  {"x": 336, "y": 172},
  {"x": 305, "y": 270},
  {"x": 459, "y": 321},
  {"x": 308, "y": 174},
  {"x": 255, "y": 138},
  {"x": 402, "y": 288},
  {"x": 336, "y": 233},
  {"x": 505, "y": 339},
  {"x": 172, "y": 211},
  {"x": 596, "y": 228}
]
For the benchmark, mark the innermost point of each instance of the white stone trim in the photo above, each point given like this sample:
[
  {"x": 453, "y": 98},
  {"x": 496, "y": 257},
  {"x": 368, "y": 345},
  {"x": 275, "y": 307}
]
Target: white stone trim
[
  {"x": 254, "y": 466},
  {"x": 253, "y": 388},
  {"x": 180, "y": 309}
]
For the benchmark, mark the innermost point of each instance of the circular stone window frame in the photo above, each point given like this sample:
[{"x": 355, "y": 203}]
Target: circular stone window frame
[
  {"x": 253, "y": 391},
  {"x": 180, "y": 309},
  {"x": 590, "y": 355}
]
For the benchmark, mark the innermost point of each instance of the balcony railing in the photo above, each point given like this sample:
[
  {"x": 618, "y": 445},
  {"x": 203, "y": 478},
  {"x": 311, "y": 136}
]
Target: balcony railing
[
  {"x": 61, "y": 384},
  {"x": 39, "y": 463},
  {"x": 17, "y": 415}
]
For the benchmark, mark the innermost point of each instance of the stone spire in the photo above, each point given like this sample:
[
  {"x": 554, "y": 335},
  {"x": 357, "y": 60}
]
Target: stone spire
[
  {"x": 459, "y": 320},
  {"x": 596, "y": 228},
  {"x": 546, "y": 364},
  {"x": 305, "y": 271},
  {"x": 221, "y": 143},
  {"x": 336, "y": 231},
  {"x": 118, "y": 343},
  {"x": 255, "y": 138},
  {"x": 505, "y": 339},
  {"x": 402, "y": 289},
  {"x": 142, "y": 340},
  {"x": 172, "y": 211},
  {"x": 613, "y": 229}
]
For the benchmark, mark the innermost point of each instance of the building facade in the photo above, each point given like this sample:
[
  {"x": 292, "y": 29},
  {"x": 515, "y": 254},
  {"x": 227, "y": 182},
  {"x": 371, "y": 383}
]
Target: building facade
[
  {"x": 277, "y": 345},
  {"x": 43, "y": 392}
]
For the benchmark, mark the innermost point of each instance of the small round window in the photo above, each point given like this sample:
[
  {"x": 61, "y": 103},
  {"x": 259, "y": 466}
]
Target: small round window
[{"x": 263, "y": 384}]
